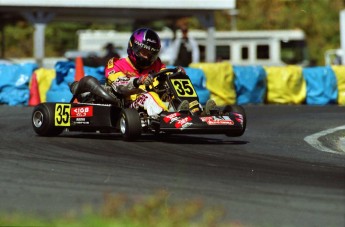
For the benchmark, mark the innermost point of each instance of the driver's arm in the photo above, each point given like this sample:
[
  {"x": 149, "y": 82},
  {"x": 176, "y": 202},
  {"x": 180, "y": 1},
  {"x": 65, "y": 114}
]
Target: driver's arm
[
  {"x": 119, "y": 81},
  {"x": 125, "y": 86}
]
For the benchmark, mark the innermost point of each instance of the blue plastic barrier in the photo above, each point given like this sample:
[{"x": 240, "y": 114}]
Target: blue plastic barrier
[
  {"x": 98, "y": 73},
  {"x": 62, "y": 95},
  {"x": 65, "y": 74},
  {"x": 250, "y": 84},
  {"x": 59, "y": 90},
  {"x": 198, "y": 80},
  {"x": 14, "y": 83},
  {"x": 321, "y": 85},
  {"x": 197, "y": 77}
]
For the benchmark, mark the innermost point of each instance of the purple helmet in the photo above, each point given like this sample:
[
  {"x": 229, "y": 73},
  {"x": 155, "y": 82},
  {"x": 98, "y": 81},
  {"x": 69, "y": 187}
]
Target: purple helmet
[{"x": 143, "y": 47}]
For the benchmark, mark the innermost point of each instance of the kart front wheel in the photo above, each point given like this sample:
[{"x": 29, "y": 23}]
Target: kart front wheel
[
  {"x": 130, "y": 124},
  {"x": 43, "y": 120}
]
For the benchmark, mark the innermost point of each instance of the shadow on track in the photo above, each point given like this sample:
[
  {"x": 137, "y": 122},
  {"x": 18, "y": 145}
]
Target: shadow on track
[
  {"x": 192, "y": 139},
  {"x": 164, "y": 138}
]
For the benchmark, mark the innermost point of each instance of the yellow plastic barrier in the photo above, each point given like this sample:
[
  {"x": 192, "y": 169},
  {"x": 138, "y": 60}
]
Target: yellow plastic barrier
[
  {"x": 44, "y": 79},
  {"x": 339, "y": 71},
  {"x": 219, "y": 81},
  {"x": 285, "y": 85}
]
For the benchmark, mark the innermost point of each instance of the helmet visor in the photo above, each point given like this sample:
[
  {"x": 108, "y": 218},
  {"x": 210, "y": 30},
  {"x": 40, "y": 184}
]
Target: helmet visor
[{"x": 146, "y": 53}]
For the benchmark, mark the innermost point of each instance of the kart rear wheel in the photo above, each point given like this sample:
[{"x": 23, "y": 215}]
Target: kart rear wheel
[
  {"x": 130, "y": 124},
  {"x": 236, "y": 109},
  {"x": 43, "y": 120}
]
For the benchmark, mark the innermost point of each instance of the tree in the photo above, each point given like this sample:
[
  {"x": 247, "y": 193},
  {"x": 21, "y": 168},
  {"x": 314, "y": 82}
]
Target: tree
[
  {"x": 319, "y": 19},
  {"x": 18, "y": 39}
]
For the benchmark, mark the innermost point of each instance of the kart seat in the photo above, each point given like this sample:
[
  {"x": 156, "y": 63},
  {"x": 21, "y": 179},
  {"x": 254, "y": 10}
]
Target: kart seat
[{"x": 92, "y": 85}]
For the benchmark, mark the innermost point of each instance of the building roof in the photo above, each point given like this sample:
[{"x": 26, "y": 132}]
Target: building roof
[{"x": 114, "y": 10}]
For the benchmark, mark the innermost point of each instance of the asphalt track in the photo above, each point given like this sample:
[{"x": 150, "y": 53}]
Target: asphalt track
[{"x": 269, "y": 177}]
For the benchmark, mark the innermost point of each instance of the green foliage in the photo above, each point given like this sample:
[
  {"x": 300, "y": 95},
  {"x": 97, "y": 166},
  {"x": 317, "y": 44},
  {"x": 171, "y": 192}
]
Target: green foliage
[
  {"x": 62, "y": 36},
  {"x": 59, "y": 38},
  {"x": 318, "y": 18},
  {"x": 19, "y": 40}
]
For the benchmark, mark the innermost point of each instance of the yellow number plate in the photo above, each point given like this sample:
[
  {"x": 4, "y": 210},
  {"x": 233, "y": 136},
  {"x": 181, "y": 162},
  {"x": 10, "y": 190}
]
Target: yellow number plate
[
  {"x": 62, "y": 114},
  {"x": 184, "y": 87}
]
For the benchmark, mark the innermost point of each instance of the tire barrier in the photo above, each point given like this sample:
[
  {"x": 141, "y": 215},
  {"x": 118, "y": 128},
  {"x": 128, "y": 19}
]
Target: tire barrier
[
  {"x": 59, "y": 90},
  {"x": 226, "y": 84},
  {"x": 45, "y": 78},
  {"x": 14, "y": 83},
  {"x": 321, "y": 85},
  {"x": 340, "y": 75},
  {"x": 219, "y": 81},
  {"x": 250, "y": 84},
  {"x": 65, "y": 75},
  {"x": 285, "y": 85}
]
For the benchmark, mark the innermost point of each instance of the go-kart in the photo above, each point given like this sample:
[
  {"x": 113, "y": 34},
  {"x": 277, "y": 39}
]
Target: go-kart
[{"x": 98, "y": 108}]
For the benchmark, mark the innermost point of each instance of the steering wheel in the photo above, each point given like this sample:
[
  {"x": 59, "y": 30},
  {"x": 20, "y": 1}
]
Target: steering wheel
[
  {"x": 164, "y": 71},
  {"x": 161, "y": 74}
]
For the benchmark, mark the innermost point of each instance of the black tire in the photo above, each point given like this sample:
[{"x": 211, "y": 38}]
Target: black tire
[
  {"x": 236, "y": 109},
  {"x": 43, "y": 120},
  {"x": 130, "y": 124}
]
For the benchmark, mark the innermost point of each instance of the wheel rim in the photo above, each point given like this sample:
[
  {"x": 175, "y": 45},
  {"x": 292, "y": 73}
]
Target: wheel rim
[
  {"x": 123, "y": 126},
  {"x": 37, "y": 119}
]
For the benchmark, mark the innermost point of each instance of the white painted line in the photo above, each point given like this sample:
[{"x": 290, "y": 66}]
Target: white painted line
[
  {"x": 342, "y": 144},
  {"x": 313, "y": 140}
]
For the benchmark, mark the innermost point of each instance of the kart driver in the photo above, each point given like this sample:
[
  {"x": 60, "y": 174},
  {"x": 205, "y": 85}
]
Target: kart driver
[{"x": 128, "y": 76}]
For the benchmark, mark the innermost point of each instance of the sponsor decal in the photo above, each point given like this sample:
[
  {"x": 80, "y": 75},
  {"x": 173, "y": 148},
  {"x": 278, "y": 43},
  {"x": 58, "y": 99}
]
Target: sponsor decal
[
  {"x": 121, "y": 82},
  {"x": 239, "y": 118},
  {"x": 195, "y": 110},
  {"x": 183, "y": 123},
  {"x": 151, "y": 40},
  {"x": 217, "y": 120},
  {"x": 171, "y": 117},
  {"x": 145, "y": 46},
  {"x": 81, "y": 123},
  {"x": 111, "y": 63},
  {"x": 121, "y": 79},
  {"x": 111, "y": 72},
  {"x": 194, "y": 103},
  {"x": 139, "y": 101},
  {"x": 205, "y": 119},
  {"x": 82, "y": 111}
]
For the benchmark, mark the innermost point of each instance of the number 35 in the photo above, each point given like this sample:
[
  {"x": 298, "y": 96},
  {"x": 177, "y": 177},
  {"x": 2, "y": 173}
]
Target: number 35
[
  {"x": 184, "y": 88},
  {"x": 62, "y": 114}
]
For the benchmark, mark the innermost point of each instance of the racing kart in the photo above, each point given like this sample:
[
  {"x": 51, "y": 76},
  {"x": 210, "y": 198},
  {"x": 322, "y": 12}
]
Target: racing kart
[{"x": 98, "y": 108}]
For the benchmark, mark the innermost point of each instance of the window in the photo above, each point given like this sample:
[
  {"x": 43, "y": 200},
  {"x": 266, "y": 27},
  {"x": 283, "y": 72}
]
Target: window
[
  {"x": 244, "y": 53},
  {"x": 293, "y": 51},
  {"x": 262, "y": 52},
  {"x": 202, "y": 53},
  {"x": 223, "y": 53}
]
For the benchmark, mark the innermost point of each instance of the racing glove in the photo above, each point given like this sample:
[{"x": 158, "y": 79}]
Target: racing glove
[{"x": 145, "y": 80}]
